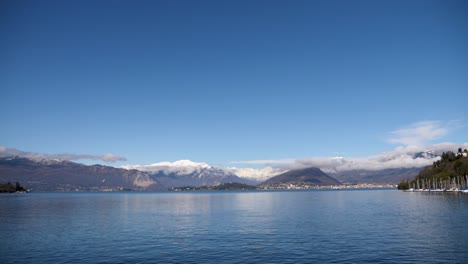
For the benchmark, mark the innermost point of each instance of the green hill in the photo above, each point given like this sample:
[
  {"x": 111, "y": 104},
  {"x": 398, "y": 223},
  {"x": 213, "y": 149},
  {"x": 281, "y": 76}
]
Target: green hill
[{"x": 451, "y": 167}]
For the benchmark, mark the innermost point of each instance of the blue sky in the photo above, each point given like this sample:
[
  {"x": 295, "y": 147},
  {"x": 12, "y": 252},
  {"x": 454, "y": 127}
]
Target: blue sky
[{"x": 224, "y": 81}]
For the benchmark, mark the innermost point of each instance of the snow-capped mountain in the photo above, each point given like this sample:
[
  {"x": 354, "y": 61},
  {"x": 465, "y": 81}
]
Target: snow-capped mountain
[
  {"x": 186, "y": 172},
  {"x": 189, "y": 173},
  {"x": 180, "y": 167}
]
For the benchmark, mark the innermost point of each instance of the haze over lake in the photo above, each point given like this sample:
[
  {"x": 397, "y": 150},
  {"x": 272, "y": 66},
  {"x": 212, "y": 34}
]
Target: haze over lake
[{"x": 360, "y": 226}]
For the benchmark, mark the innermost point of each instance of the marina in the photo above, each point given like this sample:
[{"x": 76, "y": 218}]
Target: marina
[{"x": 454, "y": 184}]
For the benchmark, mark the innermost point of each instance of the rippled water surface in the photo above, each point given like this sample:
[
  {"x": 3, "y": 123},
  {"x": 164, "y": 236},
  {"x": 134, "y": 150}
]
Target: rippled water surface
[{"x": 369, "y": 226}]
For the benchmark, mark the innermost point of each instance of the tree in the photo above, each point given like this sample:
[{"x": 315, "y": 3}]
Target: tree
[
  {"x": 457, "y": 166},
  {"x": 405, "y": 185},
  {"x": 451, "y": 156},
  {"x": 444, "y": 156},
  {"x": 19, "y": 188}
]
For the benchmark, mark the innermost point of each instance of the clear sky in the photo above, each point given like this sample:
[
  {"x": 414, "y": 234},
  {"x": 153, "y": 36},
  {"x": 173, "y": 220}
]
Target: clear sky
[{"x": 224, "y": 81}]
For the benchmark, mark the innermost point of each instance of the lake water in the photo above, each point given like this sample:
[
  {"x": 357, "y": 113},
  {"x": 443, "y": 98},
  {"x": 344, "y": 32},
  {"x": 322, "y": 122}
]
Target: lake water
[{"x": 359, "y": 226}]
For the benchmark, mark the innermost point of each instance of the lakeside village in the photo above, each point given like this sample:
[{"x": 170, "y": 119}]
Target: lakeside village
[
  {"x": 290, "y": 186},
  {"x": 285, "y": 186}
]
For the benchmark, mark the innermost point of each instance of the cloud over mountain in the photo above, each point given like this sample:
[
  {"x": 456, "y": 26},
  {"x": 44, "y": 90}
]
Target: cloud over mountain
[
  {"x": 185, "y": 167},
  {"x": 109, "y": 157},
  {"x": 180, "y": 167},
  {"x": 257, "y": 174},
  {"x": 400, "y": 157}
]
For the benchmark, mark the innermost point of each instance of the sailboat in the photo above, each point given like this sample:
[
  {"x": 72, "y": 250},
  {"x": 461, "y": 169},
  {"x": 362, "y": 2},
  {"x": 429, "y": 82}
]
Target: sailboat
[{"x": 465, "y": 190}]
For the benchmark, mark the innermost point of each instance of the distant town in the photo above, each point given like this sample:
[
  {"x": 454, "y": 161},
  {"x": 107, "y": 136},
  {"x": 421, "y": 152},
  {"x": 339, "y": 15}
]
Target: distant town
[
  {"x": 289, "y": 186},
  {"x": 334, "y": 187}
]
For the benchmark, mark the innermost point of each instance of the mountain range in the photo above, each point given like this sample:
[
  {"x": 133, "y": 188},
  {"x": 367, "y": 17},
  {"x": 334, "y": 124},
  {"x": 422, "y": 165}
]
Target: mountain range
[
  {"x": 203, "y": 177},
  {"x": 202, "y": 170},
  {"x": 61, "y": 175}
]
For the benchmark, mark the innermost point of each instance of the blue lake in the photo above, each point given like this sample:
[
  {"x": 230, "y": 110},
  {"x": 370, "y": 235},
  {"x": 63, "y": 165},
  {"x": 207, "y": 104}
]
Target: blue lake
[{"x": 358, "y": 226}]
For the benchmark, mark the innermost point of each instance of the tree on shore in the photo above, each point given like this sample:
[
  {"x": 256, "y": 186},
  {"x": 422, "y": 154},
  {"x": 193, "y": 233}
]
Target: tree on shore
[
  {"x": 10, "y": 188},
  {"x": 450, "y": 167}
]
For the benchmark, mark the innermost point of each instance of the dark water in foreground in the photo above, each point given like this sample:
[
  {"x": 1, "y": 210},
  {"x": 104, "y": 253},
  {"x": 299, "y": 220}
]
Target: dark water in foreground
[{"x": 377, "y": 226}]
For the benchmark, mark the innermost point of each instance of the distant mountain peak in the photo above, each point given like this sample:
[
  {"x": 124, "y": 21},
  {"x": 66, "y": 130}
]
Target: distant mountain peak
[
  {"x": 311, "y": 175},
  {"x": 428, "y": 154}
]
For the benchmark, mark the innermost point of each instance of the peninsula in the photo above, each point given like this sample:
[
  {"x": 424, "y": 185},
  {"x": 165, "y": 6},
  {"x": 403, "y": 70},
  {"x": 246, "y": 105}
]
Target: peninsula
[{"x": 450, "y": 173}]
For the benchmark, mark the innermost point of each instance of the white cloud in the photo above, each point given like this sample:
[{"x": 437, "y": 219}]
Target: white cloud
[
  {"x": 180, "y": 167},
  {"x": 109, "y": 157},
  {"x": 420, "y": 133},
  {"x": 401, "y": 157},
  {"x": 257, "y": 174}
]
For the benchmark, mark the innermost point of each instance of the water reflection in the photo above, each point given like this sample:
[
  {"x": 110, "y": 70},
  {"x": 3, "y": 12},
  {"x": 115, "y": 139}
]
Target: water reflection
[{"x": 308, "y": 226}]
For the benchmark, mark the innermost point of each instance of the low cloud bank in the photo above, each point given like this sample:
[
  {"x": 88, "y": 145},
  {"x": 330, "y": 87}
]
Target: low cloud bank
[
  {"x": 11, "y": 152},
  {"x": 257, "y": 174},
  {"x": 180, "y": 167},
  {"x": 400, "y": 157}
]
